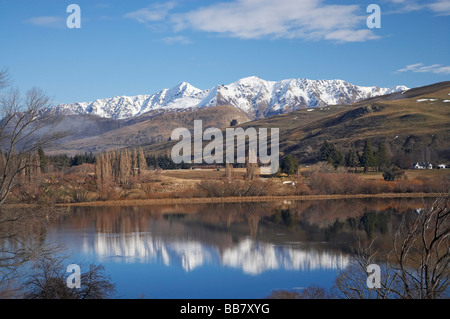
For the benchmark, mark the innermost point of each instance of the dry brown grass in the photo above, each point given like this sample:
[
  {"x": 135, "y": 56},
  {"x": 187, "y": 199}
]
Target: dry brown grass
[
  {"x": 410, "y": 174},
  {"x": 205, "y": 186}
]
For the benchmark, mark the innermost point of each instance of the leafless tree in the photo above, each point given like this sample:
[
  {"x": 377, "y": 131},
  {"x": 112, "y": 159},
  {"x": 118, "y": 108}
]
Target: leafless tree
[
  {"x": 24, "y": 127},
  {"x": 4, "y": 78},
  {"x": 417, "y": 266},
  {"x": 21, "y": 233},
  {"x": 142, "y": 162},
  {"x": 31, "y": 266},
  {"x": 48, "y": 281},
  {"x": 229, "y": 172}
]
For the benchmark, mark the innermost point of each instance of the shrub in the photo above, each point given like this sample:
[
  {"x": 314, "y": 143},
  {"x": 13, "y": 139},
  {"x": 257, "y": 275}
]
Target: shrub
[
  {"x": 392, "y": 173},
  {"x": 236, "y": 188},
  {"x": 335, "y": 183}
]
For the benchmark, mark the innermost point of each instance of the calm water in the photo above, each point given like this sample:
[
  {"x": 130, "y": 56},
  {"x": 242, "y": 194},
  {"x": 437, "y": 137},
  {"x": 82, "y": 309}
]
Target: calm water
[{"x": 223, "y": 250}]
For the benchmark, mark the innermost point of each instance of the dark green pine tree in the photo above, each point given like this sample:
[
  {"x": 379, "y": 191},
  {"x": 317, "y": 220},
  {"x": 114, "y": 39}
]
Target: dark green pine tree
[
  {"x": 368, "y": 159},
  {"x": 352, "y": 159},
  {"x": 381, "y": 157},
  {"x": 331, "y": 154},
  {"x": 234, "y": 122},
  {"x": 325, "y": 151},
  {"x": 289, "y": 165},
  {"x": 337, "y": 158}
]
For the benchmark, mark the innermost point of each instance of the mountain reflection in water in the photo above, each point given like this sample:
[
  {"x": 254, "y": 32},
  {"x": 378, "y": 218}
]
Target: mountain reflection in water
[
  {"x": 247, "y": 249},
  {"x": 249, "y": 255}
]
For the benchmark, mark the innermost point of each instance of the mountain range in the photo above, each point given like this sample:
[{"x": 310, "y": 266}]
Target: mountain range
[
  {"x": 254, "y": 96},
  {"x": 415, "y": 122}
]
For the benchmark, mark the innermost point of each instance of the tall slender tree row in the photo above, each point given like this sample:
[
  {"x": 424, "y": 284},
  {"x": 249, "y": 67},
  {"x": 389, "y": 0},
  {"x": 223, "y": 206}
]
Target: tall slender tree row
[{"x": 119, "y": 167}]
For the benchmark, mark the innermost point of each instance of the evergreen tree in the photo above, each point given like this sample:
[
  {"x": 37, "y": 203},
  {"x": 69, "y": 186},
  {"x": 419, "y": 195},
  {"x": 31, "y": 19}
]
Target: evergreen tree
[
  {"x": 325, "y": 151},
  {"x": 59, "y": 161},
  {"x": 352, "y": 159},
  {"x": 337, "y": 158},
  {"x": 331, "y": 154},
  {"x": 368, "y": 158},
  {"x": 382, "y": 157},
  {"x": 392, "y": 173},
  {"x": 289, "y": 165}
]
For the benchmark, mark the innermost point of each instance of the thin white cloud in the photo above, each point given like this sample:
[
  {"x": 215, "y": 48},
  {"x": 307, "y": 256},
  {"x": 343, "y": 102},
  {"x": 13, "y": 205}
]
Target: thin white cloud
[
  {"x": 156, "y": 12},
  {"x": 254, "y": 19},
  {"x": 441, "y": 7},
  {"x": 421, "y": 68},
  {"x": 410, "y": 67},
  {"x": 351, "y": 35},
  {"x": 177, "y": 40},
  {"x": 48, "y": 21}
]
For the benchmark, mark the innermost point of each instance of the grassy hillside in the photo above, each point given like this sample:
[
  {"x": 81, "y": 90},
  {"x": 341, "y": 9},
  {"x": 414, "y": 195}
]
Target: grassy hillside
[
  {"x": 417, "y": 127},
  {"x": 147, "y": 129}
]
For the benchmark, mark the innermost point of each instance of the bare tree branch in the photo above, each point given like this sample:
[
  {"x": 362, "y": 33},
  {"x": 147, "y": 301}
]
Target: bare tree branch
[
  {"x": 417, "y": 266},
  {"x": 25, "y": 126}
]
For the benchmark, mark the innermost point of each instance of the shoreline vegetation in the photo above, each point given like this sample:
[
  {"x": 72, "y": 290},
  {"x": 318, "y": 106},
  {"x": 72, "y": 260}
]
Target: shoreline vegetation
[
  {"x": 242, "y": 199},
  {"x": 80, "y": 186},
  {"x": 233, "y": 199}
]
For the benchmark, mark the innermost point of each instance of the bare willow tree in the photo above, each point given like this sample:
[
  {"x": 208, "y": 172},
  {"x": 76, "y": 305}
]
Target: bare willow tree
[
  {"x": 4, "y": 78},
  {"x": 21, "y": 234},
  {"x": 25, "y": 126},
  {"x": 49, "y": 281},
  {"x": 417, "y": 266}
]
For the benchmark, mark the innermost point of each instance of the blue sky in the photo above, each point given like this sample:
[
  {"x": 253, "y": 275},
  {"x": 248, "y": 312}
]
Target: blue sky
[{"x": 140, "y": 47}]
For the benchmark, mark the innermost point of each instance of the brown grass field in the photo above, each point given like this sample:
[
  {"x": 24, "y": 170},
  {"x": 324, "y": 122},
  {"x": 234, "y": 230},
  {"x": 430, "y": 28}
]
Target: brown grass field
[
  {"x": 182, "y": 183},
  {"x": 410, "y": 174},
  {"x": 185, "y": 186}
]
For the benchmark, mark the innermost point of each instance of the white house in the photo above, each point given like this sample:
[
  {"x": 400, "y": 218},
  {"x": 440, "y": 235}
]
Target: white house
[{"x": 422, "y": 166}]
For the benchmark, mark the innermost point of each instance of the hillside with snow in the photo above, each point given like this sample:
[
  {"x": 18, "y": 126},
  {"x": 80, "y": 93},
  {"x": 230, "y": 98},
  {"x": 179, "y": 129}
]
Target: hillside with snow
[{"x": 256, "y": 97}]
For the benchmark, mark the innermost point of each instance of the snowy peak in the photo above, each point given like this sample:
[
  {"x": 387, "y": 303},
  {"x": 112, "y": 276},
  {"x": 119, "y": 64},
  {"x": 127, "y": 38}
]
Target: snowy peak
[
  {"x": 255, "y": 96},
  {"x": 182, "y": 90}
]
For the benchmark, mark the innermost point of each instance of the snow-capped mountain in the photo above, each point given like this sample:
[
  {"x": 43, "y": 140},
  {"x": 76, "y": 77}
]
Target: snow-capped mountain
[{"x": 256, "y": 97}]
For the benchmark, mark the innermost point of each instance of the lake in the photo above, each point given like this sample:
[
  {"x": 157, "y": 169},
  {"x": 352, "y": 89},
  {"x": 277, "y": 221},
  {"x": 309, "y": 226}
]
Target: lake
[{"x": 211, "y": 251}]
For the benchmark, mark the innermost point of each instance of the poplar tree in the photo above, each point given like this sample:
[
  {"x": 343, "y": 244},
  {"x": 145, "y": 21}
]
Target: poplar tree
[
  {"x": 142, "y": 162},
  {"x": 251, "y": 168},
  {"x": 134, "y": 163},
  {"x": 124, "y": 167}
]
